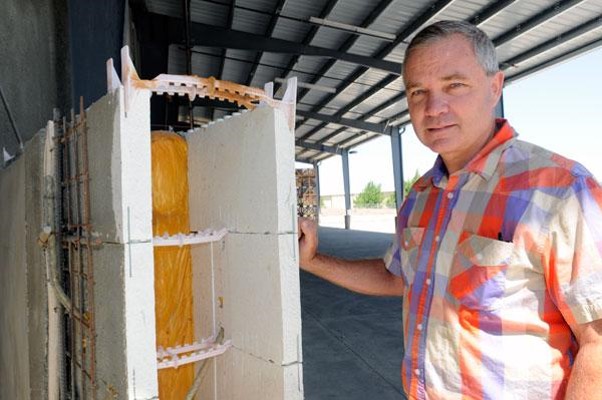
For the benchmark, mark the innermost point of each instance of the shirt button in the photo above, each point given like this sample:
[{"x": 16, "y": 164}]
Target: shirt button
[
  {"x": 419, "y": 327},
  {"x": 450, "y": 195},
  {"x": 428, "y": 281},
  {"x": 417, "y": 372},
  {"x": 406, "y": 243},
  {"x": 437, "y": 238}
]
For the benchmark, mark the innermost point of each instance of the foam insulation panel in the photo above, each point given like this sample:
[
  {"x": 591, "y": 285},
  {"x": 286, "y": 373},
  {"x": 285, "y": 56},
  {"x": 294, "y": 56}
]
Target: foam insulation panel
[
  {"x": 120, "y": 201},
  {"x": 241, "y": 176}
]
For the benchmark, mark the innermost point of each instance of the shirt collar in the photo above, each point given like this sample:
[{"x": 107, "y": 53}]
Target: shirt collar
[{"x": 484, "y": 163}]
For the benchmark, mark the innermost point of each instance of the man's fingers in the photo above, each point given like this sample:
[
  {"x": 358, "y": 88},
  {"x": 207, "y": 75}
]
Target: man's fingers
[
  {"x": 307, "y": 228},
  {"x": 308, "y": 240}
]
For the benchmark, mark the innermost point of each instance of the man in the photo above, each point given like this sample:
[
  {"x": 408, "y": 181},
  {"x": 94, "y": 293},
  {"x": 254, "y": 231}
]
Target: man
[{"x": 498, "y": 252}]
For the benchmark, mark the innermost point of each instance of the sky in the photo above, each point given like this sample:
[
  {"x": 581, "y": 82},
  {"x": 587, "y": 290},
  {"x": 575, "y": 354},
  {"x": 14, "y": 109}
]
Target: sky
[{"x": 559, "y": 108}]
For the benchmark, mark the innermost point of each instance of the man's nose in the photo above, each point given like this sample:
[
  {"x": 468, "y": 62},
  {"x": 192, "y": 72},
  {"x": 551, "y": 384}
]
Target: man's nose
[{"x": 436, "y": 104}]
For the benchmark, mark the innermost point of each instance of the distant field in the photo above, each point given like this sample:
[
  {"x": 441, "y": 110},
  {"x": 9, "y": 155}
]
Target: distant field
[{"x": 363, "y": 219}]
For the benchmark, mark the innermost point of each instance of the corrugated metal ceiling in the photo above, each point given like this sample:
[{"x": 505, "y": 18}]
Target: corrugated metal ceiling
[{"x": 530, "y": 34}]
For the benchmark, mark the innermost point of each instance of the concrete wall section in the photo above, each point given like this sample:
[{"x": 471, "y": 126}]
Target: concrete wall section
[
  {"x": 14, "y": 346},
  {"x": 33, "y": 36},
  {"x": 120, "y": 173},
  {"x": 241, "y": 175},
  {"x": 23, "y": 287},
  {"x": 37, "y": 283},
  {"x": 96, "y": 34}
]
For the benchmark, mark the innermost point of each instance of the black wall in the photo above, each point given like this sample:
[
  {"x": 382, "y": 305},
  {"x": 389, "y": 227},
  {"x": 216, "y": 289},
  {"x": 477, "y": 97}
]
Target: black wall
[{"x": 51, "y": 53}]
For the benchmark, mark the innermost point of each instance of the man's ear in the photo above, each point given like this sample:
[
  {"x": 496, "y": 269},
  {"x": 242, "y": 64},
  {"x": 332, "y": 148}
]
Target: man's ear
[{"x": 497, "y": 84}]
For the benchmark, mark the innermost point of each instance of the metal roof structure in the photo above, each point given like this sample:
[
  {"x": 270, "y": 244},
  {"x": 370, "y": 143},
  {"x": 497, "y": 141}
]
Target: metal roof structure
[{"x": 347, "y": 54}]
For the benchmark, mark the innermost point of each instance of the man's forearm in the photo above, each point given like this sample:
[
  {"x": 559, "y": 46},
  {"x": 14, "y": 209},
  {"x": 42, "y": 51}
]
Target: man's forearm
[
  {"x": 362, "y": 276},
  {"x": 585, "y": 381}
]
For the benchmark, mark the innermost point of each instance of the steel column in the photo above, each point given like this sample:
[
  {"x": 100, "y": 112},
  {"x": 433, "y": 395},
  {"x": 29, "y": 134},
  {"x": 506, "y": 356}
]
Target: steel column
[
  {"x": 317, "y": 173},
  {"x": 397, "y": 153},
  {"x": 345, "y": 155},
  {"x": 499, "y": 107}
]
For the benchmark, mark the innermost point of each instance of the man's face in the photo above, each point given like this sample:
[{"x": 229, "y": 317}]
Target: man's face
[{"x": 451, "y": 99}]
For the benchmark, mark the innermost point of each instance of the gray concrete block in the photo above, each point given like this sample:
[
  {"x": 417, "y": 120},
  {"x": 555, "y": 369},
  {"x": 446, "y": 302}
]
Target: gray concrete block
[
  {"x": 14, "y": 346},
  {"x": 37, "y": 284},
  {"x": 109, "y": 297}
]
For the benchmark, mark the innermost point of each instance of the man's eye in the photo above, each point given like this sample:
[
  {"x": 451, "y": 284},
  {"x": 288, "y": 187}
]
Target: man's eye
[
  {"x": 416, "y": 92},
  {"x": 456, "y": 85}
]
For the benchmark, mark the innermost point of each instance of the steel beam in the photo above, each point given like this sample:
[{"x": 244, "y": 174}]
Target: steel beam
[
  {"x": 319, "y": 147},
  {"x": 558, "y": 40},
  {"x": 215, "y": 36},
  {"x": 224, "y": 51},
  {"x": 563, "y": 57},
  {"x": 376, "y": 13},
  {"x": 355, "y": 137},
  {"x": 400, "y": 115},
  {"x": 186, "y": 16},
  {"x": 491, "y": 11},
  {"x": 331, "y": 135},
  {"x": 307, "y": 40},
  {"x": 358, "y": 100},
  {"x": 269, "y": 31},
  {"x": 304, "y": 160},
  {"x": 351, "y": 123},
  {"x": 538, "y": 19},
  {"x": 222, "y": 64}
]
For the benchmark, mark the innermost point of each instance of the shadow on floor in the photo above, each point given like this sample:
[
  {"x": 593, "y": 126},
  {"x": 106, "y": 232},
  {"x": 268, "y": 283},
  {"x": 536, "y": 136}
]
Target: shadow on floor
[{"x": 352, "y": 344}]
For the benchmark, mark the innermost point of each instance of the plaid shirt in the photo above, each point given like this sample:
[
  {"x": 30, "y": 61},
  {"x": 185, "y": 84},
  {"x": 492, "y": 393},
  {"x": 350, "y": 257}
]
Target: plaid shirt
[{"x": 500, "y": 260}]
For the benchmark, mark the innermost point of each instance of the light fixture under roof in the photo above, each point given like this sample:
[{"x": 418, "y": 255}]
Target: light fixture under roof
[
  {"x": 352, "y": 28},
  {"x": 310, "y": 86}
]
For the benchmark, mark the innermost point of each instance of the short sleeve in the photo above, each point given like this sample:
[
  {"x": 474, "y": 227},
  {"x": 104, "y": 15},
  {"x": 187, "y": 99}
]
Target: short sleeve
[
  {"x": 574, "y": 270},
  {"x": 392, "y": 258}
]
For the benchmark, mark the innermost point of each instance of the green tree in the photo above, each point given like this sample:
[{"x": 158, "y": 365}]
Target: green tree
[
  {"x": 370, "y": 197},
  {"x": 407, "y": 185},
  {"x": 390, "y": 200}
]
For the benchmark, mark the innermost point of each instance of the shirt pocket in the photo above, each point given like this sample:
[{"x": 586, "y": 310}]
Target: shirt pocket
[
  {"x": 477, "y": 276},
  {"x": 411, "y": 239}
]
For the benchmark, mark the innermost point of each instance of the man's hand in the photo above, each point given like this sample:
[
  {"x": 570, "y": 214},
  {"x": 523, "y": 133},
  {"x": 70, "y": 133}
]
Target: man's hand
[
  {"x": 308, "y": 241},
  {"x": 362, "y": 276}
]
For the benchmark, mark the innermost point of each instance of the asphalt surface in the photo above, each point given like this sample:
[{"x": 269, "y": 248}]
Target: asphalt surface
[{"x": 352, "y": 344}]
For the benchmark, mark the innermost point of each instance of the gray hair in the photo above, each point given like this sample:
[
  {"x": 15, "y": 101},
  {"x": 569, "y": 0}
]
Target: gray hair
[{"x": 483, "y": 47}]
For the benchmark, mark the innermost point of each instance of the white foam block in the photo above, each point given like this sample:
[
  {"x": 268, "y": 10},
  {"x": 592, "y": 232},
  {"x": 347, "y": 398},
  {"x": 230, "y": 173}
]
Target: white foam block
[
  {"x": 241, "y": 176},
  {"x": 243, "y": 169},
  {"x": 120, "y": 168}
]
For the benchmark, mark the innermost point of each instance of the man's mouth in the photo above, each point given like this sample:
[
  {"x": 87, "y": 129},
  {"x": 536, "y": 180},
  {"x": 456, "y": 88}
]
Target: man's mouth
[{"x": 438, "y": 128}]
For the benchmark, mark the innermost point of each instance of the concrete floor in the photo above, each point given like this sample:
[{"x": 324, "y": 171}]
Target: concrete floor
[{"x": 352, "y": 344}]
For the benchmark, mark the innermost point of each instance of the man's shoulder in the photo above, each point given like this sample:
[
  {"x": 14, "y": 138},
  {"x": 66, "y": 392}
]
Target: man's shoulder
[{"x": 528, "y": 158}]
